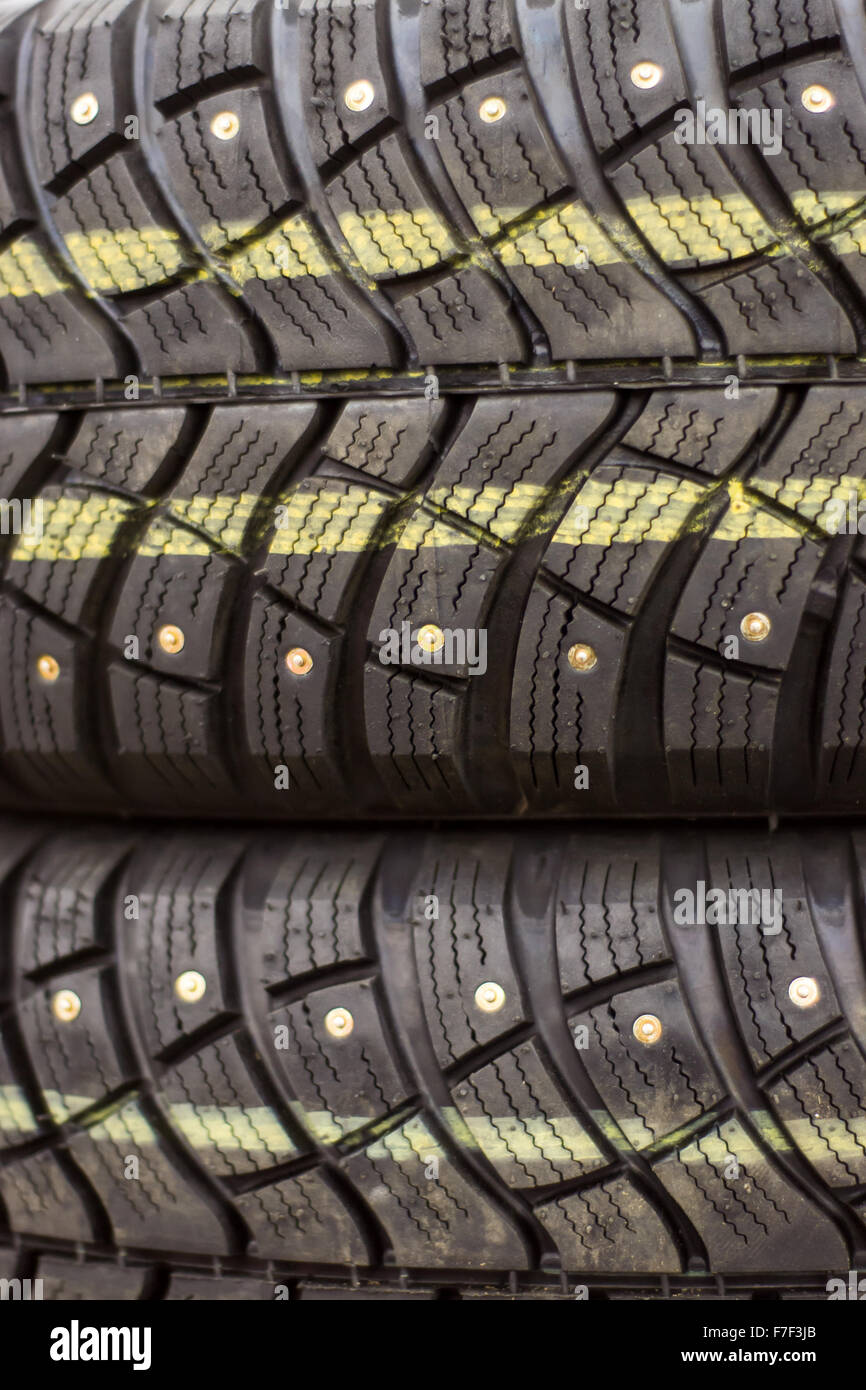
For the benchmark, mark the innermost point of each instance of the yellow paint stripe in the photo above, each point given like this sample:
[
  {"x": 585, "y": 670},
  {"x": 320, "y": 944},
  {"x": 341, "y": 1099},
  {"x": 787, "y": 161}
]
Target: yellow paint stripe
[
  {"x": 251, "y": 1129},
  {"x": 15, "y": 1113},
  {"x": 397, "y": 243},
  {"x": 128, "y": 258},
  {"x": 25, "y": 270},
  {"x": 628, "y": 510},
  {"x": 851, "y": 241},
  {"x": 74, "y": 528},
  {"x": 401, "y": 242},
  {"x": 257, "y": 1129},
  {"x": 225, "y": 518},
  {"x": 329, "y": 519}
]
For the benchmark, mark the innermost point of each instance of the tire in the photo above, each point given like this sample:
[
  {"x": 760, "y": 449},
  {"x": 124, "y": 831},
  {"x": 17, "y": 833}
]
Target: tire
[
  {"x": 640, "y": 528},
  {"x": 311, "y": 237},
  {"x": 153, "y": 1144}
]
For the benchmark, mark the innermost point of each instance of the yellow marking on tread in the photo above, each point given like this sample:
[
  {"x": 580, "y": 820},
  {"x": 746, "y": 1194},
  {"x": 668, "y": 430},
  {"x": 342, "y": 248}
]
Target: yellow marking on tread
[
  {"x": 224, "y": 517},
  {"x": 628, "y": 510},
  {"x": 24, "y": 270},
  {"x": 322, "y": 1125},
  {"x": 739, "y": 501},
  {"x": 328, "y": 518},
  {"x": 164, "y": 537},
  {"x": 711, "y": 230},
  {"x": 327, "y": 521},
  {"x": 849, "y": 241},
  {"x": 74, "y": 528},
  {"x": 397, "y": 243},
  {"x": 753, "y": 524},
  {"x": 826, "y": 206},
  {"x": 291, "y": 250},
  {"x": 708, "y": 229},
  {"x": 257, "y": 1129},
  {"x": 248, "y": 1128},
  {"x": 409, "y": 1143},
  {"x": 497, "y": 509},
  {"x": 772, "y": 1134},
  {"x": 203, "y": 1127},
  {"x": 612, "y": 1132},
  {"x": 566, "y": 238},
  {"x": 425, "y": 532},
  {"x": 810, "y": 498},
  {"x": 717, "y": 1150},
  {"x": 15, "y": 1113},
  {"x": 558, "y": 1140},
  {"x": 126, "y": 259}
]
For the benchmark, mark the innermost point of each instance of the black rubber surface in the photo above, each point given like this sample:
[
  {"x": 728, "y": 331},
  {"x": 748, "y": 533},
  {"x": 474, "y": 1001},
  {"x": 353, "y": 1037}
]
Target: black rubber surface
[
  {"x": 645, "y": 527},
  {"x": 413, "y": 232},
  {"x": 151, "y": 1145}
]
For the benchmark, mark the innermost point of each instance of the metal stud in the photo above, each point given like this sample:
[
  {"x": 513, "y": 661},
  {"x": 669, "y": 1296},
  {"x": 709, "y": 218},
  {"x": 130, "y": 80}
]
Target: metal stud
[
  {"x": 299, "y": 661},
  {"x": 646, "y": 75},
  {"x": 190, "y": 986},
  {"x": 430, "y": 638},
  {"x": 804, "y": 991},
  {"x": 647, "y": 1029},
  {"x": 582, "y": 657},
  {"x": 492, "y": 109},
  {"x": 755, "y": 627},
  {"x": 339, "y": 1023},
  {"x": 490, "y": 997},
  {"x": 48, "y": 668},
  {"x": 84, "y": 109},
  {"x": 225, "y": 125},
  {"x": 817, "y": 98},
  {"x": 171, "y": 639},
  {"x": 359, "y": 95},
  {"x": 66, "y": 1005}
]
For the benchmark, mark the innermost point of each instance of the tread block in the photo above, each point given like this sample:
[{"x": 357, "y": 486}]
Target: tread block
[
  {"x": 154, "y": 1206},
  {"x": 41, "y": 1201}
]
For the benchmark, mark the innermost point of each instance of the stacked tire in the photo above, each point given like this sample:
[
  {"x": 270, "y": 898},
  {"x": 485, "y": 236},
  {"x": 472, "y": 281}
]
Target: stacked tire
[{"x": 432, "y": 733}]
